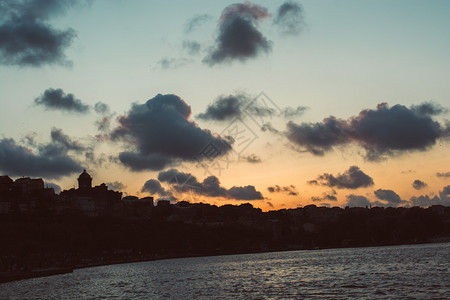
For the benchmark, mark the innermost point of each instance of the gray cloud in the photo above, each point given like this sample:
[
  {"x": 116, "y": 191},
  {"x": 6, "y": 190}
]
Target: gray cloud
[
  {"x": 17, "y": 160},
  {"x": 60, "y": 145},
  {"x": 419, "y": 184},
  {"x": 56, "y": 99},
  {"x": 172, "y": 63},
  {"x": 26, "y": 39},
  {"x": 429, "y": 108},
  {"x": 252, "y": 158},
  {"x": 53, "y": 186},
  {"x": 353, "y": 178},
  {"x": 238, "y": 38},
  {"x": 425, "y": 200},
  {"x": 210, "y": 186},
  {"x": 443, "y": 174},
  {"x": 357, "y": 201},
  {"x": 161, "y": 134},
  {"x": 289, "y": 18},
  {"x": 101, "y": 108},
  {"x": 196, "y": 21},
  {"x": 382, "y": 132},
  {"x": 225, "y": 108},
  {"x": 391, "y": 197},
  {"x": 192, "y": 47},
  {"x": 331, "y": 196},
  {"x": 290, "y": 190},
  {"x": 319, "y": 137}
]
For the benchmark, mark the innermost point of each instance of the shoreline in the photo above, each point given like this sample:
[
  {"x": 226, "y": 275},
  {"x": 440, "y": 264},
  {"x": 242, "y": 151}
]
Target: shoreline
[{"x": 21, "y": 275}]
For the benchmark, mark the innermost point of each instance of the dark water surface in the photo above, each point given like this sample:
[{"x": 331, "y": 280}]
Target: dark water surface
[{"x": 396, "y": 272}]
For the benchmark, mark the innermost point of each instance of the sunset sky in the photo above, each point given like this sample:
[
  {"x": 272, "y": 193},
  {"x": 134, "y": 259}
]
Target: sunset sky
[{"x": 277, "y": 103}]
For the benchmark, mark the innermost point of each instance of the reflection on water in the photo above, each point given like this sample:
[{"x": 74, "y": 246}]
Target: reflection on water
[{"x": 417, "y": 271}]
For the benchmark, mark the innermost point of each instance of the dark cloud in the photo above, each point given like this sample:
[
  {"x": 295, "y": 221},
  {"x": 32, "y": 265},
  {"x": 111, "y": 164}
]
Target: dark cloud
[
  {"x": 381, "y": 132},
  {"x": 26, "y": 39},
  {"x": 419, "y": 184},
  {"x": 210, "y": 186},
  {"x": 391, "y": 197},
  {"x": 425, "y": 200},
  {"x": 226, "y": 108},
  {"x": 55, "y": 99},
  {"x": 195, "y": 22},
  {"x": 16, "y": 160},
  {"x": 162, "y": 135},
  {"x": 353, "y": 178},
  {"x": 443, "y": 174},
  {"x": 101, "y": 108},
  {"x": 60, "y": 145},
  {"x": 289, "y": 112},
  {"x": 153, "y": 186},
  {"x": 289, "y": 18},
  {"x": 331, "y": 196},
  {"x": 429, "y": 108},
  {"x": 290, "y": 190},
  {"x": 319, "y": 137},
  {"x": 357, "y": 201},
  {"x": 238, "y": 38},
  {"x": 116, "y": 185},
  {"x": 192, "y": 47},
  {"x": 252, "y": 158}
]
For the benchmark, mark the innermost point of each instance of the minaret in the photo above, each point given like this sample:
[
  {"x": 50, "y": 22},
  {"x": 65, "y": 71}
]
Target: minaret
[{"x": 84, "y": 180}]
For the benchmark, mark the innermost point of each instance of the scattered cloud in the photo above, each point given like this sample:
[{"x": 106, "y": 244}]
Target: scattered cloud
[
  {"x": 210, "y": 186},
  {"x": 383, "y": 132},
  {"x": 353, "y": 178},
  {"x": 419, "y": 184},
  {"x": 290, "y": 190},
  {"x": 429, "y": 108},
  {"x": 442, "y": 199},
  {"x": 53, "y": 186},
  {"x": 196, "y": 21},
  {"x": 172, "y": 63},
  {"x": 251, "y": 158},
  {"x": 192, "y": 47},
  {"x": 162, "y": 134},
  {"x": 225, "y": 108},
  {"x": 443, "y": 174},
  {"x": 239, "y": 38},
  {"x": 17, "y": 160},
  {"x": 56, "y": 99},
  {"x": 391, "y": 197},
  {"x": 26, "y": 37},
  {"x": 357, "y": 201},
  {"x": 331, "y": 196},
  {"x": 289, "y": 18}
]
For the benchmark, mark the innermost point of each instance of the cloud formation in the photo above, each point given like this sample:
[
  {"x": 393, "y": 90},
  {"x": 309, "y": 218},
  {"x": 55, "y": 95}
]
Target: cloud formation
[
  {"x": 56, "y": 99},
  {"x": 251, "y": 158},
  {"x": 196, "y": 21},
  {"x": 391, "y": 197},
  {"x": 162, "y": 134},
  {"x": 442, "y": 199},
  {"x": 26, "y": 38},
  {"x": 116, "y": 185},
  {"x": 331, "y": 196},
  {"x": 353, "y": 178},
  {"x": 290, "y": 190},
  {"x": 17, "y": 160},
  {"x": 289, "y": 18},
  {"x": 226, "y": 108},
  {"x": 239, "y": 38},
  {"x": 419, "y": 184},
  {"x": 443, "y": 174},
  {"x": 357, "y": 201},
  {"x": 382, "y": 132},
  {"x": 210, "y": 186}
]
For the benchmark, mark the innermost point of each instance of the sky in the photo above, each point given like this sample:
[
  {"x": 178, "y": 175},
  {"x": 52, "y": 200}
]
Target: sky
[{"x": 278, "y": 103}]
